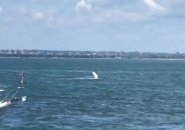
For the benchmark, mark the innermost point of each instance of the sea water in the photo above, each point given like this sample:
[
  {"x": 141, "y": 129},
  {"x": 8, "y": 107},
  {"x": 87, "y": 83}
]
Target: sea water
[{"x": 62, "y": 94}]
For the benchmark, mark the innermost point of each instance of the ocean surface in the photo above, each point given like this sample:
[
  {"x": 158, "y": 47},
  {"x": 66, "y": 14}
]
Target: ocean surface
[{"x": 61, "y": 94}]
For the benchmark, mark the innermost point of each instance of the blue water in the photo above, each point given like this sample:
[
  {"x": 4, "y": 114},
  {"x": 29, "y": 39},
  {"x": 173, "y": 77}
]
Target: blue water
[{"x": 130, "y": 94}]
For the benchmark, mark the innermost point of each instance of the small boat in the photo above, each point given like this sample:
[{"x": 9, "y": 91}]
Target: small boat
[
  {"x": 11, "y": 95},
  {"x": 4, "y": 103}
]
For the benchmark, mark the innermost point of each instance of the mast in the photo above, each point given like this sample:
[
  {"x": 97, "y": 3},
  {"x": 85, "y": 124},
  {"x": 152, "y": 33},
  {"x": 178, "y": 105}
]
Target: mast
[{"x": 22, "y": 79}]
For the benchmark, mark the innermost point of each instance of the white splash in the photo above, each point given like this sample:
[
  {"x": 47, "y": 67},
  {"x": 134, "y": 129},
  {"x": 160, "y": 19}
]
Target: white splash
[
  {"x": 1, "y": 90},
  {"x": 23, "y": 98},
  {"x": 95, "y": 75}
]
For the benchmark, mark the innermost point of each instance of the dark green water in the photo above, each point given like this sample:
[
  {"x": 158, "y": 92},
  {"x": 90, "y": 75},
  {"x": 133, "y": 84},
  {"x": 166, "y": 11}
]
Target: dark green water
[{"x": 131, "y": 94}]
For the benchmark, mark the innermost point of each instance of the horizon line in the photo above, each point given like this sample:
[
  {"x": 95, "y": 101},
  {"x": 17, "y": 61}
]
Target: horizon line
[{"x": 135, "y": 51}]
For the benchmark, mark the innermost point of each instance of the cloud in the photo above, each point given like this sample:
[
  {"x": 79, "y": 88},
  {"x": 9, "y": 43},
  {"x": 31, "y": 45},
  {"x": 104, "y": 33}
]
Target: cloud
[
  {"x": 1, "y": 9},
  {"x": 50, "y": 18},
  {"x": 153, "y": 5},
  {"x": 38, "y": 15},
  {"x": 34, "y": 14},
  {"x": 93, "y": 11},
  {"x": 83, "y": 5},
  {"x": 117, "y": 16},
  {"x": 108, "y": 11},
  {"x": 174, "y": 8},
  {"x": 46, "y": 16},
  {"x": 174, "y": 3}
]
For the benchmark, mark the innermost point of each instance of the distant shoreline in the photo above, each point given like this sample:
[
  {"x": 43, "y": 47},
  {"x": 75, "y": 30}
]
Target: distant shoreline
[
  {"x": 157, "y": 59},
  {"x": 90, "y": 55}
]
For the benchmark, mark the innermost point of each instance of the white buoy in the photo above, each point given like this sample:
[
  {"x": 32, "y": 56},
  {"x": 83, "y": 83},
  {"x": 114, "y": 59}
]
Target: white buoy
[
  {"x": 95, "y": 75},
  {"x": 23, "y": 98}
]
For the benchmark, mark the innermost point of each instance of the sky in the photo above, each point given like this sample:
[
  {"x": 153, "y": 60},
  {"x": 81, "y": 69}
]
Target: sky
[{"x": 93, "y": 25}]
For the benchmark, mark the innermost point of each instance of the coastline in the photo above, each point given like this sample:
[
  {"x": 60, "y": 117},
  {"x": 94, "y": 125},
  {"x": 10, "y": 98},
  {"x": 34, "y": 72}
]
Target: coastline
[{"x": 157, "y": 59}]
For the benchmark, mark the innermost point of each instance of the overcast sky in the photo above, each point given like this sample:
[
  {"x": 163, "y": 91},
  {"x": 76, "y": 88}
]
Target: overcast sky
[{"x": 117, "y": 25}]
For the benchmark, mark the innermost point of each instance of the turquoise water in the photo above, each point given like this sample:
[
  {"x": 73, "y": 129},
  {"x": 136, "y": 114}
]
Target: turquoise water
[{"x": 130, "y": 94}]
